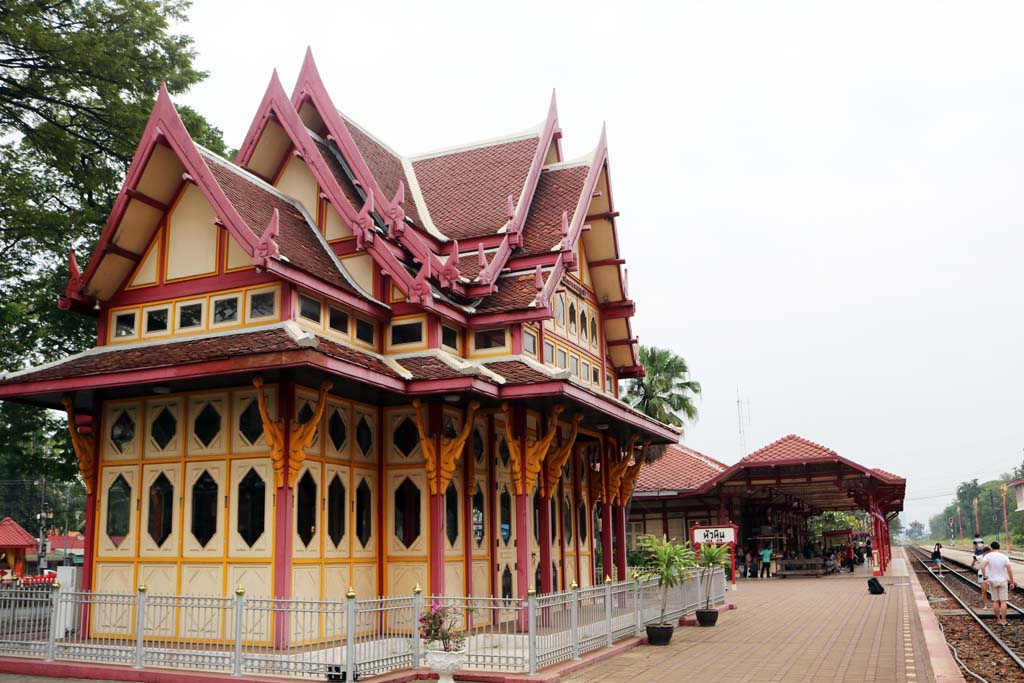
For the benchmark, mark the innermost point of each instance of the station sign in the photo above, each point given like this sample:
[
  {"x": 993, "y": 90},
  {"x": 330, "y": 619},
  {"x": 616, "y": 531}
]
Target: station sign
[{"x": 715, "y": 535}]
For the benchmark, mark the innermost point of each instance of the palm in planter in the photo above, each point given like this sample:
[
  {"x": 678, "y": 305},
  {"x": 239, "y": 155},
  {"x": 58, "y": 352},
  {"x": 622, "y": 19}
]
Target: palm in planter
[
  {"x": 670, "y": 564},
  {"x": 711, "y": 557}
]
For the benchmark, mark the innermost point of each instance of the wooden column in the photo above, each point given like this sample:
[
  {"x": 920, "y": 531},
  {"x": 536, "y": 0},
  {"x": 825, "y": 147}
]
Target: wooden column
[
  {"x": 283, "y": 512},
  {"x": 544, "y": 532},
  {"x": 435, "y": 507},
  {"x": 523, "y": 526}
]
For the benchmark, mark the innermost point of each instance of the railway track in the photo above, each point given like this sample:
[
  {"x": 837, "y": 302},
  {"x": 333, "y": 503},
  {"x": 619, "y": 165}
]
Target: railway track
[{"x": 987, "y": 652}]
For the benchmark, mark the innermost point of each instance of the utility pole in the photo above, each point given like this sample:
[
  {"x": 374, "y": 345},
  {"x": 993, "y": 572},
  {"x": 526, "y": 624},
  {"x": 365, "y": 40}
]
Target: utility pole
[
  {"x": 67, "y": 522},
  {"x": 42, "y": 527}
]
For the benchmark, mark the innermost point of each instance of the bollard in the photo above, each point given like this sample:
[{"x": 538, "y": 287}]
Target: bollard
[
  {"x": 575, "y": 620},
  {"x": 236, "y": 665},
  {"x": 350, "y": 647},
  {"x": 608, "y": 608},
  {"x": 531, "y": 620},
  {"x": 140, "y": 622},
  {"x": 417, "y": 608}
]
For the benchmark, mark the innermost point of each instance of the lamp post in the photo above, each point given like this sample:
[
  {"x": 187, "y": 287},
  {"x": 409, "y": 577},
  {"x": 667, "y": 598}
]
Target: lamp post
[
  {"x": 977, "y": 527},
  {"x": 1006, "y": 523},
  {"x": 960, "y": 523}
]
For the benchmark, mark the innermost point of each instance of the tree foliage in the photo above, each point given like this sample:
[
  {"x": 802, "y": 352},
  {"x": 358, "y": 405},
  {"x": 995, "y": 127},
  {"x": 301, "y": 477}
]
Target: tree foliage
[
  {"x": 77, "y": 82},
  {"x": 666, "y": 392}
]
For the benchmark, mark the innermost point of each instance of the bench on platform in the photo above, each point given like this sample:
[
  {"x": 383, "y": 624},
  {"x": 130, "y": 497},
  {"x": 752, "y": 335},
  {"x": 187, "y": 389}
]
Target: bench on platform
[{"x": 801, "y": 567}]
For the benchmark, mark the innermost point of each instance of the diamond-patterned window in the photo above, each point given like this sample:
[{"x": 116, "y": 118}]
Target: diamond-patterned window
[
  {"x": 567, "y": 519},
  {"x": 305, "y": 508},
  {"x": 206, "y": 426},
  {"x": 503, "y": 452},
  {"x": 364, "y": 436},
  {"x": 506, "y": 583},
  {"x": 336, "y": 429},
  {"x": 122, "y": 431},
  {"x": 478, "y": 516},
  {"x": 161, "y": 509},
  {"x": 250, "y": 424},
  {"x": 252, "y": 507},
  {"x": 364, "y": 513},
  {"x": 451, "y": 513},
  {"x": 204, "y": 508},
  {"x": 406, "y": 437},
  {"x": 505, "y": 515},
  {"x": 119, "y": 510},
  {"x": 407, "y": 512},
  {"x": 478, "y": 446},
  {"x": 305, "y": 413},
  {"x": 163, "y": 428},
  {"x": 450, "y": 432},
  {"x": 336, "y": 510},
  {"x": 581, "y": 524}
]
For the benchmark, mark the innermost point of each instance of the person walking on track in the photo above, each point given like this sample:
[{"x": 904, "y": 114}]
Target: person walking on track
[
  {"x": 997, "y": 571},
  {"x": 937, "y": 558}
]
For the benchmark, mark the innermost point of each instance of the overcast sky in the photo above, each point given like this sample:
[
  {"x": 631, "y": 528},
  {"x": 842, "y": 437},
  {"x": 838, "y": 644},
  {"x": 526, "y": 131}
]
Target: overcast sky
[{"x": 820, "y": 205}]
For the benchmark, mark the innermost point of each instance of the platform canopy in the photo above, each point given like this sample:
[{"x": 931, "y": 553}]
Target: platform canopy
[{"x": 808, "y": 478}]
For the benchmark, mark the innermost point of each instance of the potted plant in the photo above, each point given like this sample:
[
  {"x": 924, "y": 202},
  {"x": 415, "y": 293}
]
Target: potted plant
[
  {"x": 670, "y": 564},
  {"x": 445, "y": 643},
  {"x": 711, "y": 557}
]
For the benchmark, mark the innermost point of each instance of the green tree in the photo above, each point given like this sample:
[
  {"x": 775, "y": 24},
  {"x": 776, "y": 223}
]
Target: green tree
[
  {"x": 915, "y": 531},
  {"x": 666, "y": 392},
  {"x": 77, "y": 82}
]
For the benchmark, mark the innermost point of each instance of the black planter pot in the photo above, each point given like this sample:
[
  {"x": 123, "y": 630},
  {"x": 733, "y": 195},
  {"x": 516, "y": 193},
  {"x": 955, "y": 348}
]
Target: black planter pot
[
  {"x": 659, "y": 634},
  {"x": 707, "y": 617}
]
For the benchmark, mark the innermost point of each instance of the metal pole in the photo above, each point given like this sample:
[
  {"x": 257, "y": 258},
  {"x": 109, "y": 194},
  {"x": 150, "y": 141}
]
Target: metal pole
[
  {"x": 236, "y": 665},
  {"x": 531, "y": 620},
  {"x": 67, "y": 523},
  {"x": 608, "y": 608},
  {"x": 417, "y": 608},
  {"x": 51, "y": 640},
  {"x": 140, "y": 610},
  {"x": 350, "y": 643},
  {"x": 637, "y": 621},
  {"x": 41, "y": 565},
  {"x": 575, "y": 619},
  {"x": 1006, "y": 523}
]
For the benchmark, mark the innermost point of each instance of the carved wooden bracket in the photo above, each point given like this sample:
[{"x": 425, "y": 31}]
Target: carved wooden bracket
[
  {"x": 595, "y": 487},
  {"x": 85, "y": 446},
  {"x": 451, "y": 448},
  {"x": 536, "y": 451},
  {"x": 629, "y": 478},
  {"x": 556, "y": 461},
  {"x": 301, "y": 435},
  {"x": 615, "y": 472}
]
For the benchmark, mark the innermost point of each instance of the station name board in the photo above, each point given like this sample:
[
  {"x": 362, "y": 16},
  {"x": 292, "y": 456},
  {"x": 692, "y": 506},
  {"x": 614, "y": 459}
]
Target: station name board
[{"x": 717, "y": 535}]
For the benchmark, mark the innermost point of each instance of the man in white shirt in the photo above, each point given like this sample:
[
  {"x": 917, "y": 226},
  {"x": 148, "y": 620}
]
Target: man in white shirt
[{"x": 998, "y": 575}]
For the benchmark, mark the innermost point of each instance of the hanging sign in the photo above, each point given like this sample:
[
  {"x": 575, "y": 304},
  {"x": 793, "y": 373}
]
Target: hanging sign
[{"x": 715, "y": 535}]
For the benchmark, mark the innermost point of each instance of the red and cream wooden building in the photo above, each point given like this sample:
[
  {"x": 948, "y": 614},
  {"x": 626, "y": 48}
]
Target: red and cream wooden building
[{"x": 325, "y": 364}]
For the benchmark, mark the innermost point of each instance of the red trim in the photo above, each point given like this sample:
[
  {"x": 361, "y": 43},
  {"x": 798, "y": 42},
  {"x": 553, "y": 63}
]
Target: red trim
[
  {"x": 146, "y": 199},
  {"x": 284, "y": 504},
  {"x": 186, "y": 288}
]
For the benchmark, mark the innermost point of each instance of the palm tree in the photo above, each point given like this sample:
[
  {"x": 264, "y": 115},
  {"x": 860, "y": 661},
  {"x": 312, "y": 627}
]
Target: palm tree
[{"x": 666, "y": 392}]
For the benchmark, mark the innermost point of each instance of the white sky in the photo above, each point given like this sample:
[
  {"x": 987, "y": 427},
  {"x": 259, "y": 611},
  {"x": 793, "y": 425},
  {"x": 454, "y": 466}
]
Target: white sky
[{"x": 820, "y": 204}]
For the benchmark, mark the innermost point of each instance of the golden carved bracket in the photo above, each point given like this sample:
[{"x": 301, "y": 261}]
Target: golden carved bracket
[
  {"x": 595, "y": 487},
  {"x": 300, "y": 435},
  {"x": 556, "y": 461},
  {"x": 85, "y": 446},
  {"x": 451, "y": 447},
  {"x": 524, "y": 470},
  {"x": 629, "y": 478}
]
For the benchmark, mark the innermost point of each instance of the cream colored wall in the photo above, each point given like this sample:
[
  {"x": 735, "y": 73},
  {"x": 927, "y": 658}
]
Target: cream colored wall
[
  {"x": 191, "y": 236},
  {"x": 269, "y": 150},
  {"x": 360, "y": 267},
  {"x": 148, "y": 271},
  {"x": 297, "y": 182},
  {"x": 334, "y": 227}
]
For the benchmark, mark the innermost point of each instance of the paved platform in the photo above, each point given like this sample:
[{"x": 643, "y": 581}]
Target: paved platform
[
  {"x": 794, "y": 629},
  {"x": 966, "y": 556}
]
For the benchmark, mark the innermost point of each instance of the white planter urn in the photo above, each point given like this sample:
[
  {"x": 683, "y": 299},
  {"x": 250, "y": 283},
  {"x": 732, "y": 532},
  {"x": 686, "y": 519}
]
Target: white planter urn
[{"x": 444, "y": 664}]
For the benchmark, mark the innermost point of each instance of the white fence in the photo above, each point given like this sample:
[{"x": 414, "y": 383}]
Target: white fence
[{"x": 315, "y": 639}]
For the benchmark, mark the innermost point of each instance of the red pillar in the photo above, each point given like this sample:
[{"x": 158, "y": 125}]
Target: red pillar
[
  {"x": 619, "y": 512},
  {"x": 435, "y": 508},
  {"x": 284, "y": 503},
  {"x": 607, "y": 559},
  {"x": 523, "y": 527},
  {"x": 544, "y": 542}
]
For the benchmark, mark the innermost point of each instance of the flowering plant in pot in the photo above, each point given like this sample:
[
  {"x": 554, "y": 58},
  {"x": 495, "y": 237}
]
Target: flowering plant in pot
[
  {"x": 670, "y": 563},
  {"x": 711, "y": 557},
  {"x": 445, "y": 642}
]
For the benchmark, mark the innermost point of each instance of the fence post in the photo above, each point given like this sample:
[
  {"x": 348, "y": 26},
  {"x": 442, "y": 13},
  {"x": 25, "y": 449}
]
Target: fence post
[
  {"x": 140, "y": 622},
  {"x": 608, "y": 608},
  {"x": 637, "y": 607},
  {"x": 350, "y": 637},
  {"x": 236, "y": 665},
  {"x": 574, "y": 623},
  {"x": 51, "y": 640},
  {"x": 417, "y": 609},
  {"x": 531, "y": 621}
]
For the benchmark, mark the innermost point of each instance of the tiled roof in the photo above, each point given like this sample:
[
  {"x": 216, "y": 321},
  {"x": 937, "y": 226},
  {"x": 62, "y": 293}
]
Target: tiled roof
[
  {"x": 888, "y": 474},
  {"x": 297, "y": 239},
  {"x": 428, "y": 367},
  {"x": 790, "y": 448},
  {"x": 679, "y": 469},
  {"x": 515, "y": 293},
  {"x": 74, "y": 542},
  {"x": 327, "y": 151},
  {"x": 13, "y": 536},
  {"x": 558, "y": 190},
  {"x": 386, "y": 167},
  {"x": 195, "y": 350},
  {"x": 467, "y": 191},
  {"x": 517, "y": 372}
]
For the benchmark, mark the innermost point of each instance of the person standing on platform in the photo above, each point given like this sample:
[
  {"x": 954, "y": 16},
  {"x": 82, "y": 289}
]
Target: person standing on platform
[
  {"x": 766, "y": 562},
  {"x": 937, "y": 558},
  {"x": 996, "y": 570},
  {"x": 751, "y": 567},
  {"x": 849, "y": 556}
]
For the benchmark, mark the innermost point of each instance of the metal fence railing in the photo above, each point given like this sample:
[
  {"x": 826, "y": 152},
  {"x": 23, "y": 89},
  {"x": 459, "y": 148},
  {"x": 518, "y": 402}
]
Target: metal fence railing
[{"x": 329, "y": 640}]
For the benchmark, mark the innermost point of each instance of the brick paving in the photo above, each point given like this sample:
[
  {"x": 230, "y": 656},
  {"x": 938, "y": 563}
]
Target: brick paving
[{"x": 794, "y": 629}]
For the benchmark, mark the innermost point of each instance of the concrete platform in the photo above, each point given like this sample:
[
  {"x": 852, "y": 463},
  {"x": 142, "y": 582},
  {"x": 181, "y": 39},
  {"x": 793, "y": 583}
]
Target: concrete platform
[
  {"x": 801, "y": 629},
  {"x": 966, "y": 557}
]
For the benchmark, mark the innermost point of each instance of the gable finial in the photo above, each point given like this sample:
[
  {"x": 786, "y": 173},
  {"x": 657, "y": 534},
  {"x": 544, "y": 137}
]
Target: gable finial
[
  {"x": 450, "y": 271},
  {"x": 514, "y": 234},
  {"x": 363, "y": 224},
  {"x": 481, "y": 257},
  {"x": 538, "y": 278},
  {"x": 267, "y": 248},
  {"x": 565, "y": 224},
  {"x": 395, "y": 214}
]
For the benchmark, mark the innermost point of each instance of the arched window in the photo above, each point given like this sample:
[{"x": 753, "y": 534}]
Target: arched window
[
  {"x": 572, "y": 318},
  {"x": 306, "y": 508},
  {"x": 593, "y": 331},
  {"x": 583, "y": 326},
  {"x": 559, "y": 310}
]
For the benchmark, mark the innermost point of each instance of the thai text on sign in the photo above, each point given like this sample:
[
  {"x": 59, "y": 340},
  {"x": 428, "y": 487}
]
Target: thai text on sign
[{"x": 716, "y": 535}]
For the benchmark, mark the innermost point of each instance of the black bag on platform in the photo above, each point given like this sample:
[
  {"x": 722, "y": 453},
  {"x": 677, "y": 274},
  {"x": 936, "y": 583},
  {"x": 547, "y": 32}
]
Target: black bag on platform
[{"x": 875, "y": 586}]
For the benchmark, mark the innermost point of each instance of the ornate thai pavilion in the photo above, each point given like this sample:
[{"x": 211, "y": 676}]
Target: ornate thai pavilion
[{"x": 326, "y": 364}]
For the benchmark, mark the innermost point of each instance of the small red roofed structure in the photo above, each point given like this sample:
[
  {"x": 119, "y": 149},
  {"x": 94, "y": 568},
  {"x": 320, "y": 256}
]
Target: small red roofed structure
[{"x": 14, "y": 542}]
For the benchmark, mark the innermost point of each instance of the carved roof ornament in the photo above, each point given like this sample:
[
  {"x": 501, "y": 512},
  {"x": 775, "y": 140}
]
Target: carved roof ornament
[
  {"x": 363, "y": 225},
  {"x": 394, "y": 214},
  {"x": 450, "y": 270},
  {"x": 524, "y": 467},
  {"x": 451, "y": 447},
  {"x": 632, "y": 473},
  {"x": 301, "y": 435},
  {"x": 515, "y": 229},
  {"x": 556, "y": 461},
  {"x": 85, "y": 446},
  {"x": 481, "y": 257},
  {"x": 267, "y": 248},
  {"x": 595, "y": 487},
  {"x": 617, "y": 469},
  {"x": 420, "y": 292}
]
